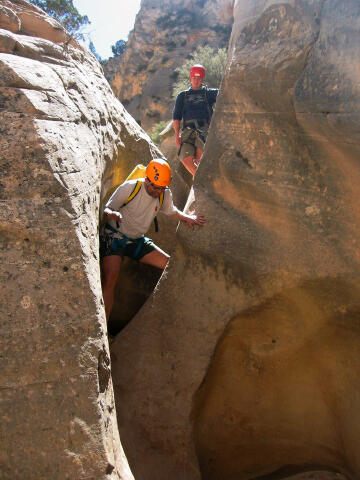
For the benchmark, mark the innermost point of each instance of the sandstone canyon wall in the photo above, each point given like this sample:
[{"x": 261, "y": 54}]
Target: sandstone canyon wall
[
  {"x": 165, "y": 33},
  {"x": 245, "y": 362},
  {"x": 66, "y": 142}
]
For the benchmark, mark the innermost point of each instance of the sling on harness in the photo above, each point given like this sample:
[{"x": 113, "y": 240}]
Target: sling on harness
[
  {"x": 193, "y": 124},
  {"x": 121, "y": 240}
]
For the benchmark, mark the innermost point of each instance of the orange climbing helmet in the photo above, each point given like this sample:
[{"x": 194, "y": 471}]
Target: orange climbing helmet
[
  {"x": 159, "y": 172},
  {"x": 197, "y": 71}
]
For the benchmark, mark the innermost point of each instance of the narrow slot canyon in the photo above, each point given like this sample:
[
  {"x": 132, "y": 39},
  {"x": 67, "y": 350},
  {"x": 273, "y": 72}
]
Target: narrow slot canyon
[
  {"x": 240, "y": 360},
  {"x": 137, "y": 281}
]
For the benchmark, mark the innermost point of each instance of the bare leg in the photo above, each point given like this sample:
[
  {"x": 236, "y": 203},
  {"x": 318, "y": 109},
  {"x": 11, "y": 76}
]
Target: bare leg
[
  {"x": 188, "y": 162},
  {"x": 110, "y": 268},
  {"x": 199, "y": 153},
  {"x": 157, "y": 258}
]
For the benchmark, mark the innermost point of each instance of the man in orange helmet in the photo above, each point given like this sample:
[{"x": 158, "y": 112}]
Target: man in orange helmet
[
  {"x": 194, "y": 107},
  {"x": 130, "y": 212}
]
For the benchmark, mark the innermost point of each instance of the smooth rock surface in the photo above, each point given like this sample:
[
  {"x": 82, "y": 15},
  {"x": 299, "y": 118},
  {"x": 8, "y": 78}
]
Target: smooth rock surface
[
  {"x": 246, "y": 360},
  {"x": 66, "y": 142}
]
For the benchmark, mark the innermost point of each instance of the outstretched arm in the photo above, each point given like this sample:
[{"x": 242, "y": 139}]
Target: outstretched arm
[{"x": 190, "y": 220}]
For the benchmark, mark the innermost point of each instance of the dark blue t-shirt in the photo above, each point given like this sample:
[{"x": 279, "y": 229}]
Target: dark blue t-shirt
[{"x": 195, "y": 106}]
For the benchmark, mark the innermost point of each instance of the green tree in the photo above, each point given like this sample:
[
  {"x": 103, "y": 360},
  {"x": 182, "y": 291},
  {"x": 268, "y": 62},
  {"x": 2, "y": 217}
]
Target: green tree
[
  {"x": 156, "y": 130},
  {"x": 214, "y": 63},
  {"x": 65, "y": 13},
  {"x": 118, "y": 48},
  {"x": 93, "y": 51}
]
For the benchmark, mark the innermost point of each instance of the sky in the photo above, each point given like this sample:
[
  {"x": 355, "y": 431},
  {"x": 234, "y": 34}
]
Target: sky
[{"x": 111, "y": 20}]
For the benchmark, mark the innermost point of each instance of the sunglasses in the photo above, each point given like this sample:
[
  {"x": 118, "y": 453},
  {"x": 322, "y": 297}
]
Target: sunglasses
[{"x": 157, "y": 188}]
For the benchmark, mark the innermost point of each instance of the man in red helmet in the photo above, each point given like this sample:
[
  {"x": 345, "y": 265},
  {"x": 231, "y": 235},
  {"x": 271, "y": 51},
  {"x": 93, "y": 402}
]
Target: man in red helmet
[
  {"x": 194, "y": 107},
  {"x": 130, "y": 212}
]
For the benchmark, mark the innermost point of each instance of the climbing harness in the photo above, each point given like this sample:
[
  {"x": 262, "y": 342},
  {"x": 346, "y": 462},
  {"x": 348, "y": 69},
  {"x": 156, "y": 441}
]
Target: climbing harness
[
  {"x": 194, "y": 125},
  {"x": 200, "y": 127},
  {"x": 119, "y": 240}
]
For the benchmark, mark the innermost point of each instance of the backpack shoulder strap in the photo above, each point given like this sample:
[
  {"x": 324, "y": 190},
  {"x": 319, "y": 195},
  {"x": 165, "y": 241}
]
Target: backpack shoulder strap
[
  {"x": 133, "y": 194},
  {"x": 205, "y": 90},
  {"x": 161, "y": 199},
  {"x": 184, "y": 101},
  {"x": 209, "y": 109}
]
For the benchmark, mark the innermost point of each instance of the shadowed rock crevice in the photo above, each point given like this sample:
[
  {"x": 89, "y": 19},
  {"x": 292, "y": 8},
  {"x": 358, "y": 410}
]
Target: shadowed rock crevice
[
  {"x": 135, "y": 285},
  {"x": 103, "y": 370},
  {"x": 317, "y": 19}
]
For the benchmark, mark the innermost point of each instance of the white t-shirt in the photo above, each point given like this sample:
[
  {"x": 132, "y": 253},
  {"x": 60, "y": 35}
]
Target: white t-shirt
[{"x": 140, "y": 211}]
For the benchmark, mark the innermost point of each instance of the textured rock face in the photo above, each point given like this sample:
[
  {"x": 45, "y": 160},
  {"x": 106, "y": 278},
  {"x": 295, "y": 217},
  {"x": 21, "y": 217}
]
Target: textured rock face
[
  {"x": 165, "y": 32},
  {"x": 246, "y": 360},
  {"x": 65, "y": 141}
]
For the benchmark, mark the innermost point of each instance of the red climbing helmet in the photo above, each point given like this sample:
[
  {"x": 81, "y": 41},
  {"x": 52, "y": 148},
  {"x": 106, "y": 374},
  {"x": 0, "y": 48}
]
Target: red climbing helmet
[
  {"x": 159, "y": 172},
  {"x": 197, "y": 71}
]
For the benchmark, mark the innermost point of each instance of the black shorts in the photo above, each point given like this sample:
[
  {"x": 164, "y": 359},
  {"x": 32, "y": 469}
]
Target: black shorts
[{"x": 134, "y": 248}]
